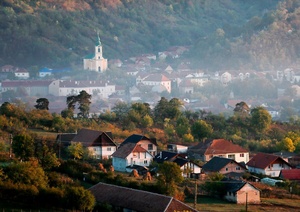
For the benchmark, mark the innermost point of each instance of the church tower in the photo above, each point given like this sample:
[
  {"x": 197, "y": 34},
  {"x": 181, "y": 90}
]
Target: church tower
[{"x": 95, "y": 62}]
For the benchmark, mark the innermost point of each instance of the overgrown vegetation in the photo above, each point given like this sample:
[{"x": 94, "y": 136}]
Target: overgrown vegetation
[{"x": 222, "y": 34}]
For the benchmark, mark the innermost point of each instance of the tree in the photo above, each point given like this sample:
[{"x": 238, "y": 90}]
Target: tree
[
  {"x": 23, "y": 146},
  {"x": 146, "y": 121},
  {"x": 182, "y": 126},
  {"x": 42, "y": 104},
  {"x": 45, "y": 155},
  {"x": 169, "y": 175},
  {"x": 288, "y": 144},
  {"x": 167, "y": 109},
  {"x": 200, "y": 129},
  {"x": 121, "y": 110},
  {"x": 29, "y": 173},
  {"x": 80, "y": 198},
  {"x": 260, "y": 119},
  {"x": 76, "y": 150},
  {"x": 84, "y": 100}
]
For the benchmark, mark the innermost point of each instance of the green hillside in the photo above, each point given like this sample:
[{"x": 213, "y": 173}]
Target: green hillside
[{"x": 222, "y": 33}]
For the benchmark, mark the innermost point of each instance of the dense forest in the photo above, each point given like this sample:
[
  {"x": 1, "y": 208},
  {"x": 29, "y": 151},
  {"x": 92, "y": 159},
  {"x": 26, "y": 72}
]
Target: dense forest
[{"x": 261, "y": 35}]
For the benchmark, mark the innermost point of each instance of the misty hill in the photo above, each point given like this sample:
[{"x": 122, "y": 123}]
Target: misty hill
[{"x": 222, "y": 33}]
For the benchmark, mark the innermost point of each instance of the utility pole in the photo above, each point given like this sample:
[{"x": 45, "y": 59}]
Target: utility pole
[
  {"x": 195, "y": 200},
  {"x": 10, "y": 145},
  {"x": 246, "y": 201}
]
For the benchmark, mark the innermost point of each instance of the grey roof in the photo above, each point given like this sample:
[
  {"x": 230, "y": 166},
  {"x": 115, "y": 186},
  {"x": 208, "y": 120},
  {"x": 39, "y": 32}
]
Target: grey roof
[
  {"x": 165, "y": 156},
  {"x": 135, "y": 138},
  {"x": 124, "y": 150},
  {"x": 94, "y": 138},
  {"x": 217, "y": 163},
  {"x": 234, "y": 185},
  {"x": 137, "y": 200}
]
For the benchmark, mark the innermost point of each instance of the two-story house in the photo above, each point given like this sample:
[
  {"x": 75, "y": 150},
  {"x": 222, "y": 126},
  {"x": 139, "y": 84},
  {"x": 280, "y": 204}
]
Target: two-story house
[
  {"x": 134, "y": 150},
  {"x": 100, "y": 144},
  {"x": 267, "y": 164},
  {"x": 218, "y": 148},
  {"x": 223, "y": 166}
]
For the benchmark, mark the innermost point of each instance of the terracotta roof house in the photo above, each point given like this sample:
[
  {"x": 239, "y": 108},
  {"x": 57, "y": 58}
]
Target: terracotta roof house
[
  {"x": 187, "y": 167},
  {"x": 267, "y": 164},
  {"x": 239, "y": 192},
  {"x": 100, "y": 144},
  {"x": 128, "y": 199},
  {"x": 134, "y": 150},
  {"x": 218, "y": 147},
  {"x": 155, "y": 80},
  {"x": 223, "y": 166},
  {"x": 290, "y": 174}
]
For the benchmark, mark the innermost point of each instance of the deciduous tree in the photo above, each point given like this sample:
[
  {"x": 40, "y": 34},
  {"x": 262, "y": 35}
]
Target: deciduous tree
[
  {"x": 200, "y": 129},
  {"x": 169, "y": 175},
  {"x": 23, "y": 146},
  {"x": 42, "y": 104},
  {"x": 260, "y": 119}
]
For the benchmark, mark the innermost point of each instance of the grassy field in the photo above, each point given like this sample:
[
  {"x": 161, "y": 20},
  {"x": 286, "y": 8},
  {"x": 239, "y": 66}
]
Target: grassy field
[{"x": 267, "y": 205}]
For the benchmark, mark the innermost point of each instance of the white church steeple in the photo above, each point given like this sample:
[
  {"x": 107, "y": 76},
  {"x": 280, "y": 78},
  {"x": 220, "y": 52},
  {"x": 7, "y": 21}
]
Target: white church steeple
[{"x": 96, "y": 62}]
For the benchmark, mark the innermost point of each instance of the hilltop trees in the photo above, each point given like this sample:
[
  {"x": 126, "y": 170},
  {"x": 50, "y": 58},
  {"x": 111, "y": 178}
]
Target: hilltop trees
[
  {"x": 23, "y": 146},
  {"x": 83, "y": 100},
  {"x": 200, "y": 129},
  {"x": 42, "y": 104},
  {"x": 260, "y": 119}
]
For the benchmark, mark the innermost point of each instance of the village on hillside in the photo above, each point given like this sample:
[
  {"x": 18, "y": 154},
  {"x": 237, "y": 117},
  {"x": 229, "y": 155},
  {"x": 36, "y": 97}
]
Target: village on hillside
[
  {"x": 153, "y": 77},
  {"x": 149, "y": 77}
]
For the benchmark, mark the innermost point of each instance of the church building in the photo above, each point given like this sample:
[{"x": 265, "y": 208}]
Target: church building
[{"x": 95, "y": 62}]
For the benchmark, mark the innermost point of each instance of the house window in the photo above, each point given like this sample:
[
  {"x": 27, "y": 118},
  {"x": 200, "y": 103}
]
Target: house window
[
  {"x": 237, "y": 168},
  {"x": 226, "y": 169},
  {"x": 150, "y": 146},
  {"x": 145, "y": 162},
  {"x": 231, "y": 157},
  {"x": 95, "y": 149},
  {"x": 108, "y": 148},
  {"x": 242, "y": 155},
  {"x": 145, "y": 155}
]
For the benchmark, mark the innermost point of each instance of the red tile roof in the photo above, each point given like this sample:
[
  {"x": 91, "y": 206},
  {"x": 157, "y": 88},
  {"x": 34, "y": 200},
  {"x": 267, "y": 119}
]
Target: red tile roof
[
  {"x": 217, "y": 146},
  {"x": 156, "y": 78},
  {"x": 263, "y": 160},
  {"x": 290, "y": 174}
]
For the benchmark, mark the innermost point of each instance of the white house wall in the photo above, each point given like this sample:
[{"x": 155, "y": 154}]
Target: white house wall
[
  {"x": 246, "y": 193},
  {"x": 139, "y": 158},
  {"x": 104, "y": 152}
]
